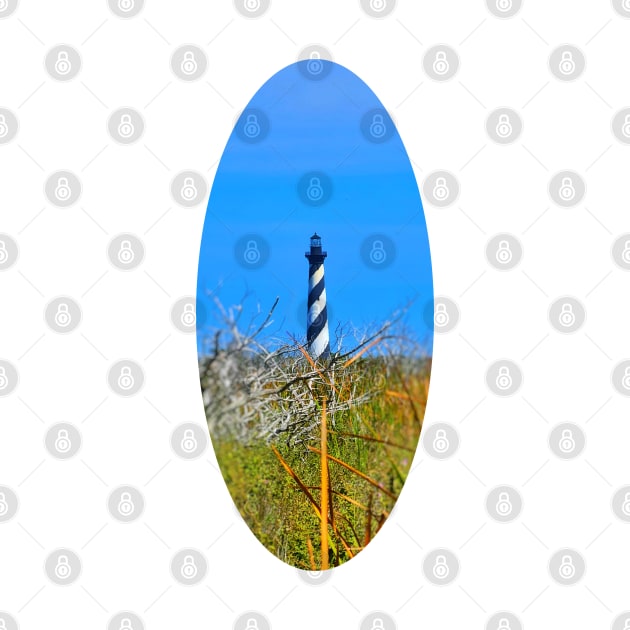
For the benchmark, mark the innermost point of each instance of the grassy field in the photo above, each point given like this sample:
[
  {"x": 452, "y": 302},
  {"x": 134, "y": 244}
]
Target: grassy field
[{"x": 315, "y": 454}]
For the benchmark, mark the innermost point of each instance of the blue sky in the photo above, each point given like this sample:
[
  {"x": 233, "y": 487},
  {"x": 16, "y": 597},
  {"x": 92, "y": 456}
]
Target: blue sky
[{"x": 308, "y": 127}]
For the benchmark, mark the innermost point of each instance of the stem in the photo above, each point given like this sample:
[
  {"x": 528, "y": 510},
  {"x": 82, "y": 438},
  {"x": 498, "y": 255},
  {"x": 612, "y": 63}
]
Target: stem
[{"x": 324, "y": 489}]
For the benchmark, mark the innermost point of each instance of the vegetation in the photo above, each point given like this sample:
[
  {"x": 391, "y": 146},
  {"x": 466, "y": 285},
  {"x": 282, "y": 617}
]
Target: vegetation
[{"x": 314, "y": 453}]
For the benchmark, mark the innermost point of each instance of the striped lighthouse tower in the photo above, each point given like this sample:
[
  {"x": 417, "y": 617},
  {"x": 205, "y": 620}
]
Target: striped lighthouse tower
[{"x": 317, "y": 318}]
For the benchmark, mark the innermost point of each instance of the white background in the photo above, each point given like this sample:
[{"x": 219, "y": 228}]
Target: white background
[{"x": 567, "y": 125}]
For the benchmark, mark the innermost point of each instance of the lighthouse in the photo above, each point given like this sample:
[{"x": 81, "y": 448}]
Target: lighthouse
[{"x": 317, "y": 336}]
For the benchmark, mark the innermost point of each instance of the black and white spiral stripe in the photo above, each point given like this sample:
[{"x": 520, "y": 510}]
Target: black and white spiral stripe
[{"x": 317, "y": 318}]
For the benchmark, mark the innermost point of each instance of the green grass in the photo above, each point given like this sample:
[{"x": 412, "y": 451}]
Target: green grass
[{"x": 277, "y": 509}]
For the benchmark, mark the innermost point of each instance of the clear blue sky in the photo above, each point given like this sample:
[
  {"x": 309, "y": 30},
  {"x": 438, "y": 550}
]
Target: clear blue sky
[{"x": 316, "y": 126}]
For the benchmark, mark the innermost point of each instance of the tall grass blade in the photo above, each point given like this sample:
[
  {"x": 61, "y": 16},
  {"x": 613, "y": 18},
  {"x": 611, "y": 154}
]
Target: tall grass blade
[
  {"x": 376, "y": 484},
  {"x": 324, "y": 488}
]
